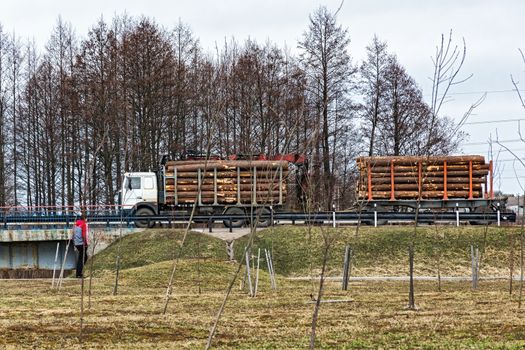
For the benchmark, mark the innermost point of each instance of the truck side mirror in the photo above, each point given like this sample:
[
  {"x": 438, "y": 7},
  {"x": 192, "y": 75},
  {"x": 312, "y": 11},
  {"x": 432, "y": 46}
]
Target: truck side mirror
[{"x": 129, "y": 184}]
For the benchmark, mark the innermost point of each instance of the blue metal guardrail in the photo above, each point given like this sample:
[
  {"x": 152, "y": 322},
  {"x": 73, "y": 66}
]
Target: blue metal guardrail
[{"x": 368, "y": 217}]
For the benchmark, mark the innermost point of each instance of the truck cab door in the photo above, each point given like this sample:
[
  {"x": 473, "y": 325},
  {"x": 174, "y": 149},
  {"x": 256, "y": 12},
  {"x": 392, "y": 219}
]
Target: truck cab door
[{"x": 132, "y": 192}]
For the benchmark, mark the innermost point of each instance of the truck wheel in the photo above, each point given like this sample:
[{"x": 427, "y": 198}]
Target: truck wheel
[
  {"x": 263, "y": 222},
  {"x": 381, "y": 222},
  {"x": 144, "y": 223},
  {"x": 481, "y": 210},
  {"x": 234, "y": 223}
]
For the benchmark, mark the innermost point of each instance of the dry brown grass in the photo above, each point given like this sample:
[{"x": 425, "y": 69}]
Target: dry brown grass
[{"x": 33, "y": 315}]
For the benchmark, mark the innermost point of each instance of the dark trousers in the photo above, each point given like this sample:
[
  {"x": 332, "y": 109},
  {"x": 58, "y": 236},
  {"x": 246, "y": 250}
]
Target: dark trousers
[{"x": 82, "y": 258}]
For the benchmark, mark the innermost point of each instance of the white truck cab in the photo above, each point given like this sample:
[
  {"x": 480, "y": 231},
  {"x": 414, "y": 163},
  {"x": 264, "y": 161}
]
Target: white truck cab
[{"x": 139, "y": 188}]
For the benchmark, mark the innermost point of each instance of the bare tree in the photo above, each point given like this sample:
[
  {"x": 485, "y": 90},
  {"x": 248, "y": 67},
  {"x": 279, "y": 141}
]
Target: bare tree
[
  {"x": 447, "y": 61},
  {"x": 328, "y": 71},
  {"x": 373, "y": 86},
  {"x": 96, "y": 74},
  {"x": 402, "y": 126},
  {"x": 186, "y": 53},
  {"x": 4, "y": 129},
  {"x": 152, "y": 92}
]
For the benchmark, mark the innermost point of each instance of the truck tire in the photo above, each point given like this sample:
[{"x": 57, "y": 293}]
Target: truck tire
[
  {"x": 381, "y": 222},
  {"x": 234, "y": 223},
  {"x": 263, "y": 222},
  {"x": 481, "y": 210},
  {"x": 144, "y": 223}
]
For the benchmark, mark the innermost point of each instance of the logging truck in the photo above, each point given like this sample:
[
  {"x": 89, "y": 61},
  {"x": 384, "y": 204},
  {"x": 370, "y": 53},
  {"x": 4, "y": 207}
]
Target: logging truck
[
  {"x": 258, "y": 185},
  {"x": 210, "y": 185}
]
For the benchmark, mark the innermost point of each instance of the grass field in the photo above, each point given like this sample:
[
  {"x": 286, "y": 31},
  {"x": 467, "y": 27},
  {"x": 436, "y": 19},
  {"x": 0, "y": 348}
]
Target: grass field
[{"x": 34, "y": 316}]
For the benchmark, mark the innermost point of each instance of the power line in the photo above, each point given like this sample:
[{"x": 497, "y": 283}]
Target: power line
[
  {"x": 485, "y": 92},
  {"x": 480, "y": 92},
  {"x": 495, "y": 121},
  {"x": 506, "y": 150},
  {"x": 496, "y": 151},
  {"x": 493, "y": 142},
  {"x": 510, "y": 160}
]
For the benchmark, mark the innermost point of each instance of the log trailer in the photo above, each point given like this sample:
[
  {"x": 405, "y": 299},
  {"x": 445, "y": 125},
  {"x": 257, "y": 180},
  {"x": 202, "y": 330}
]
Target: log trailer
[
  {"x": 430, "y": 183},
  {"x": 236, "y": 186}
]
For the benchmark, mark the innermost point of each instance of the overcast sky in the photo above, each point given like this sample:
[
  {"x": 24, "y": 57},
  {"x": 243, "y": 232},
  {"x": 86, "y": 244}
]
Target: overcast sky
[{"x": 493, "y": 31}]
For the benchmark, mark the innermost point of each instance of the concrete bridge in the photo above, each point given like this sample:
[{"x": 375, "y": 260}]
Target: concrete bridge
[{"x": 30, "y": 253}]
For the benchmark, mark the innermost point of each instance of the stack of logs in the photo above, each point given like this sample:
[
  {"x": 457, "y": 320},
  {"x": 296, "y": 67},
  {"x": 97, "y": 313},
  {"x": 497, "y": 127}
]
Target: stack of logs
[
  {"x": 225, "y": 182},
  {"x": 422, "y": 177}
]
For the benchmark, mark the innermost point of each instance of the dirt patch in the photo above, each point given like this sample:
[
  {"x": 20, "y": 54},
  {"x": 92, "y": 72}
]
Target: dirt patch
[{"x": 224, "y": 233}]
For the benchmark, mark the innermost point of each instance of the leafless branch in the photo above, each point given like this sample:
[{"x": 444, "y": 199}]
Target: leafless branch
[
  {"x": 516, "y": 175},
  {"x": 516, "y": 83},
  {"x": 339, "y": 8},
  {"x": 518, "y": 158},
  {"x": 447, "y": 62},
  {"x": 468, "y": 113}
]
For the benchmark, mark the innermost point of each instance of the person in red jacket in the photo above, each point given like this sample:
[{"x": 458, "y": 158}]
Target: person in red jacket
[{"x": 80, "y": 240}]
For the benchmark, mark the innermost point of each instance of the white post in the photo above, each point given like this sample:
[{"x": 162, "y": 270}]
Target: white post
[
  {"x": 457, "y": 215},
  {"x": 499, "y": 215},
  {"x": 55, "y": 265},
  {"x": 375, "y": 215},
  {"x": 333, "y": 216}
]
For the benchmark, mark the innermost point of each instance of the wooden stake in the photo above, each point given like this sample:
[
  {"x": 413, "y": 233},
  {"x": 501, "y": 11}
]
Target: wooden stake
[
  {"x": 242, "y": 283},
  {"x": 473, "y": 267},
  {"x": 257, "y": 271},
  {"x": 272, "y": 275},
  {"x": 248, "y": 273},
  {"x": 411, "y": 298},
  {"x": 476, "y": 280},
  {"x": 117, "y": 267},
  {"x": 346, "y": 265},
  {"x": 61, "y": 276},
  {"x": 55, "y": 266},
  {"x": 117, "y": 262},
  {"x": 349, "y": 263},
  {"x": 269, "y": 264}
]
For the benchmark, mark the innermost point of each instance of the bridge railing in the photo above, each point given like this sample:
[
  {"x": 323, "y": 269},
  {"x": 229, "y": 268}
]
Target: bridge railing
[{"x": 65, "y": 215}]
